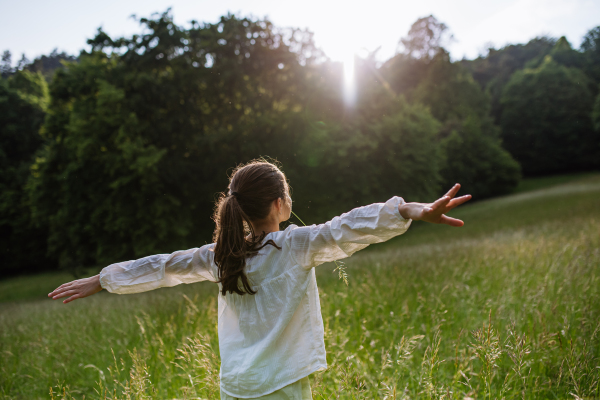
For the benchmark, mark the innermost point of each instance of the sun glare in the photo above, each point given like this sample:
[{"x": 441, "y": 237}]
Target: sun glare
[{"x": 349, "y": 79}]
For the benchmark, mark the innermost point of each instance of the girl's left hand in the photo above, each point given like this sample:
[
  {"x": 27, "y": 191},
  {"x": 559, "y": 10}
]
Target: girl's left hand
[{"x": 77, "y": 289}]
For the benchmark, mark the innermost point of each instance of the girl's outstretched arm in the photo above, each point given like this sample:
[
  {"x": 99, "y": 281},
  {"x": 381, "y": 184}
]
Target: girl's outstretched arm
[
  {"x": 144, "y": 274},
  {"x": 77, "y": 289},
  {"x": 352, "y": 231}
]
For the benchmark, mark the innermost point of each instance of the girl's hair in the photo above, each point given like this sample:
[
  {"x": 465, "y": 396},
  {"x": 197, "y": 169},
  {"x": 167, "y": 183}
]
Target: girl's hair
[{"x": 252, "y": 189}]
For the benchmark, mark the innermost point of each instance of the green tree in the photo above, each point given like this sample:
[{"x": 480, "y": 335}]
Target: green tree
[
  {"x": 403, "y": 73},
  {"x": 426, "y": 75},
  {"x": 450, "y": 91},
  {"x": 426, "y": 37},
  {"x": 590, "y": 46},
  {"x": 596, "y": 114},
  {"x": 470, "y": 142},
  {"x": 6, "y": 68},
  {"x": 369, "y": 158},
  {"x": 564, "y": 54},
  {"x": 423, "y": 42},
  {"x": 474, "y": 156},
  {"x": 546, "y": 122},
  {"x": 138, "y": 143},
  {"x": 48, "y": 64},
  {"x": 494, "y": 70},
  {"x": 23, "y": 101}
]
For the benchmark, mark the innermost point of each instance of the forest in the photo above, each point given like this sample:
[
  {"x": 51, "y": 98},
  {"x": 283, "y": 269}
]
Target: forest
[{"x": 119, "y": 152}]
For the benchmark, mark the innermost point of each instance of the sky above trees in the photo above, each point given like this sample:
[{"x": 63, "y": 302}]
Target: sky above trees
[{"x": 341, "y": 28}]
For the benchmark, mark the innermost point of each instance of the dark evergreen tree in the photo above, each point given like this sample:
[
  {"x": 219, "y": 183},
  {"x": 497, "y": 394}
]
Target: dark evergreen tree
[{"x": 564, "y": 54}]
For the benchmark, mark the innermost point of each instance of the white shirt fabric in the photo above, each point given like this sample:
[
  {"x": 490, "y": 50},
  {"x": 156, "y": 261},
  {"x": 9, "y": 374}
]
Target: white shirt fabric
[{"x": 275, "y": 337}]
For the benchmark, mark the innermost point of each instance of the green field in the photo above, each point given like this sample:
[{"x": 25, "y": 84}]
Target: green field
[{"x": 506, "y": 307}]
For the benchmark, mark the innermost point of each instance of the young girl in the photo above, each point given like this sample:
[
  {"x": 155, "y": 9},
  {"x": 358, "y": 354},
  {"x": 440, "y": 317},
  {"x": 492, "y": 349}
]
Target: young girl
[{"x": 270, "y": 324}]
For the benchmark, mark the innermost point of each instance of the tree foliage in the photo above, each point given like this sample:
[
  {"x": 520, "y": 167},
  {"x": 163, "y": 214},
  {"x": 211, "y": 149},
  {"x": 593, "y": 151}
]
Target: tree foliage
[
  {"x": 130, "y": 164},
  {"x": 493, "y": 71},
  {"x": 426, "y": 37},
  {"x": 474, "y": 156},
  {"x": 23, "y": 101},
  {"x": 563, "y": 54},
  {"x": 450, "y": 91},
  {"x": 470, "y": 142},
  {"x": 424, "y": 42},
  {"x": 142, "y": 130},
  {"x": 48, "y": 64},
  {"x": 596, "y": 114},
  {"x": 590, "y": 46},
  {"x": 544, "y": 107},
  {"x": 124, "y": 156},
  {"x": 546, "y": 120}
]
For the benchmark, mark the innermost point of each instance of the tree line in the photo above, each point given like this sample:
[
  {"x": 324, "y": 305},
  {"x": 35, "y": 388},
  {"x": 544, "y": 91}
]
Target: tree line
[{"x": 119, "y": 152}]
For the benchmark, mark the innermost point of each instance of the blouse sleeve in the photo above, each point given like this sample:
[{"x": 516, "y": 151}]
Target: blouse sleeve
[
  {"x": 350, "y": 232},
  {"x": 161, "y": 270}
]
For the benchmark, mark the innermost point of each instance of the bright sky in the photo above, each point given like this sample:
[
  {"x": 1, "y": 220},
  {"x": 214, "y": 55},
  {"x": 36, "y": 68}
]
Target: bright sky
[{"x": 341, "y": 27}]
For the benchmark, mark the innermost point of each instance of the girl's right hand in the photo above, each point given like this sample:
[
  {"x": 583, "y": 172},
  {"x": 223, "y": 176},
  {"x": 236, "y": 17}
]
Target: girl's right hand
[
  {"x": 77, "y": 289},
  {"x": 434, "y": 212}
]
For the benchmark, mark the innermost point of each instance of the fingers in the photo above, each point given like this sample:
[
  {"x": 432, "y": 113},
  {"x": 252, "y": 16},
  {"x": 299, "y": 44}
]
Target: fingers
[
  {"x": 435, "y": 211},
  {"x": 61, "y": 288},
  {"x": 65, "y": 294},
  {"x": 452, "y": 192},
  {"x": 458, "y": 201},
  {"x": 451, "y": 221},
  {"x": 77, "y": 289},
  {"x": 442, "y": 201},
  {"x": 57, "y": 291},
  {"x": 70, "y": 299}
]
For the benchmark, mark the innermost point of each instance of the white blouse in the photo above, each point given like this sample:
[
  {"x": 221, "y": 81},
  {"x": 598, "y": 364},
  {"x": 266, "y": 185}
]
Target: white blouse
[{"x": 275, "y": 337}]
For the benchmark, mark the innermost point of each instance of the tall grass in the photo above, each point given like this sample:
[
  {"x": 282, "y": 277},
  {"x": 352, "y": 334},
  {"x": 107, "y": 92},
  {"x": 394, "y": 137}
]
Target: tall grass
[{"x": 508, "y": 307}]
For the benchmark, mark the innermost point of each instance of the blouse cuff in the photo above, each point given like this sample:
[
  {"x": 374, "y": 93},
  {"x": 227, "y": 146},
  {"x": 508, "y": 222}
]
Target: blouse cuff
[
  {"x": 103, "y": 283},
  {"x": 395, "y": 203}
]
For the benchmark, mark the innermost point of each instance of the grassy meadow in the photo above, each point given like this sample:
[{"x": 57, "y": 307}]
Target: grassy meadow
[{"x": 507, "y": 306}]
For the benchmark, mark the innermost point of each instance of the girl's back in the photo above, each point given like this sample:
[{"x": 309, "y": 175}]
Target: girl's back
[{"x": 275, "y": 337}]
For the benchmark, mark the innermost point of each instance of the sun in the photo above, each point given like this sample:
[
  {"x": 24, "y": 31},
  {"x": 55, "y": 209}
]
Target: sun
[
  {"x": 346, "y": 52},
  {"x": 349, "y": 80}
]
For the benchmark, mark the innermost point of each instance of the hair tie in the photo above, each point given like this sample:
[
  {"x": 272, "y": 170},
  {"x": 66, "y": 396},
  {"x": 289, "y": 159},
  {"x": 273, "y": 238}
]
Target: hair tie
[{"x": 235, "y": 194}]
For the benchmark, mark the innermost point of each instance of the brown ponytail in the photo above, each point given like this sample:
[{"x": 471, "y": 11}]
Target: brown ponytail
[{"x": 252, "y": 189}]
